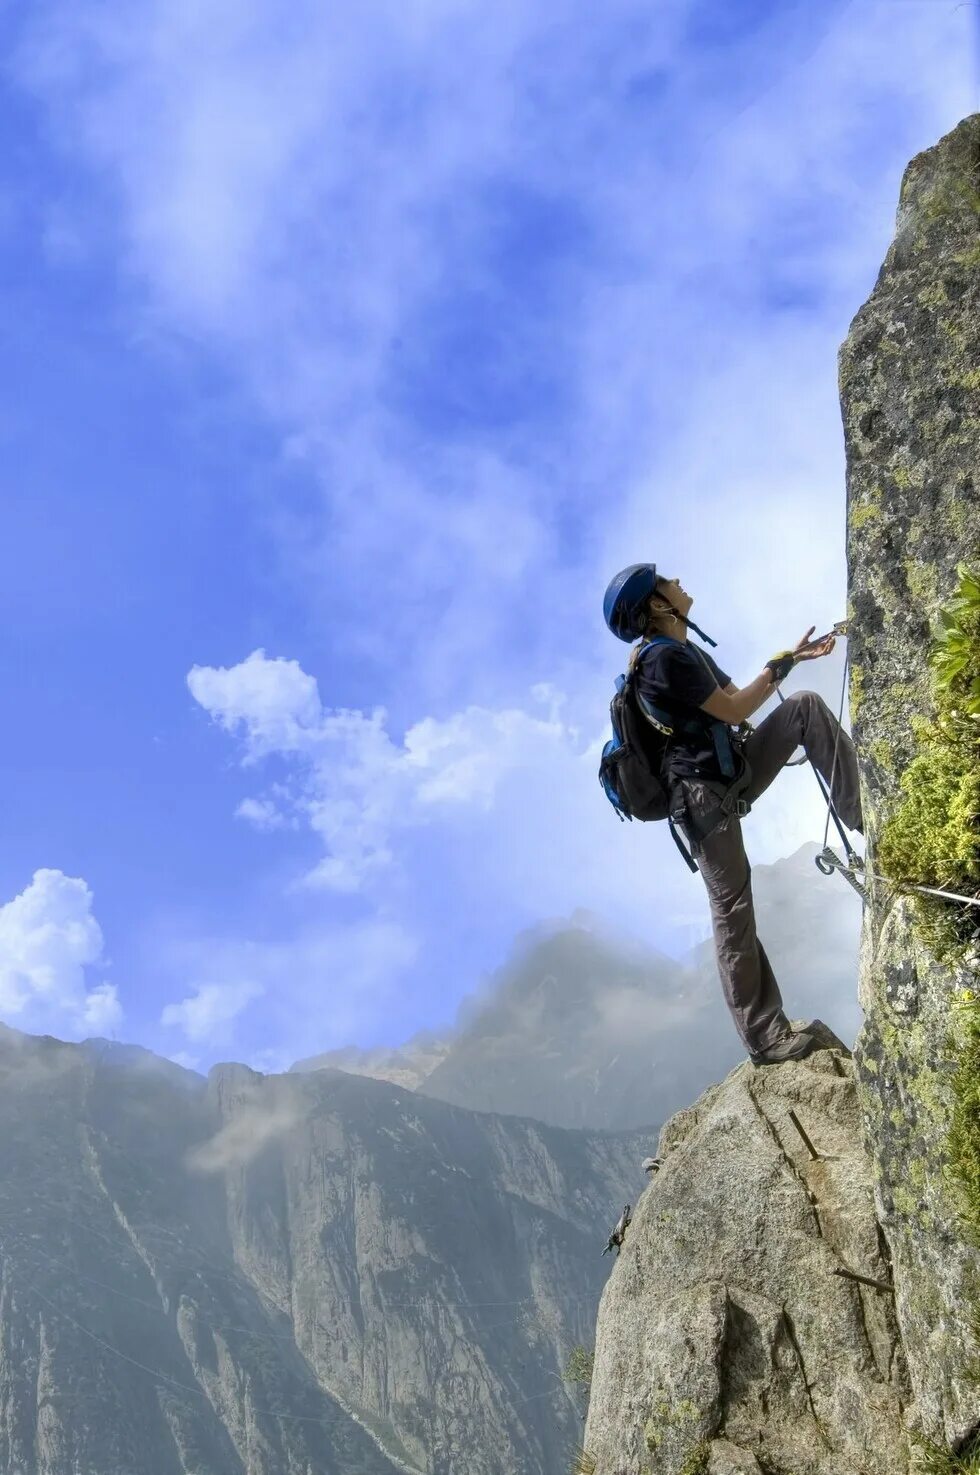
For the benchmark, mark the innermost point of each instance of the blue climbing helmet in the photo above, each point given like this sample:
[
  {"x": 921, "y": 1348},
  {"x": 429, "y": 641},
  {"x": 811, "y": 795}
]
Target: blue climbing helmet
[{"x": 625, "y": 604}]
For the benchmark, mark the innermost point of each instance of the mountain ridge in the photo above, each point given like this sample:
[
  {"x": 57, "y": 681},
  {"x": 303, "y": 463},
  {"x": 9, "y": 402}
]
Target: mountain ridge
[{"x": 275, "y": 1274}]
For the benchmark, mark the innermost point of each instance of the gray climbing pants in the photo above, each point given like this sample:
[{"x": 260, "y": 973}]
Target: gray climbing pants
[{"x": 747, "y": 979}]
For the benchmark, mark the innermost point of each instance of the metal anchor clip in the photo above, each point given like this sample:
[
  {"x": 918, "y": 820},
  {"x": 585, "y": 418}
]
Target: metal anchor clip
[{"x": 828, "y": 863}]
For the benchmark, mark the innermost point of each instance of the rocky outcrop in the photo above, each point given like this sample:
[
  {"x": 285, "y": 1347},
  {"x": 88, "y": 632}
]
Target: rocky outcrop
[
  {"x": 728, "y": 1340},
  {"x": 285, "y": 1275},
  {"x": 910, "y": 389}
]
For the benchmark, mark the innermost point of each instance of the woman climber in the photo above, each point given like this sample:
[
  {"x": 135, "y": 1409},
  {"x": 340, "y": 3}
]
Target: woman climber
[{"x": 713, "y": 775}]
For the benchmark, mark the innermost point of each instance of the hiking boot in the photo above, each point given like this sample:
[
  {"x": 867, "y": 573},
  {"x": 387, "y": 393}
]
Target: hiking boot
[{"x": 793, "y": 1046}]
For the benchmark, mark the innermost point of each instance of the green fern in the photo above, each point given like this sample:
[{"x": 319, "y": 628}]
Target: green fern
[
  {"x": 955, "y": 657},
  {"x": 934, "y": 839}
]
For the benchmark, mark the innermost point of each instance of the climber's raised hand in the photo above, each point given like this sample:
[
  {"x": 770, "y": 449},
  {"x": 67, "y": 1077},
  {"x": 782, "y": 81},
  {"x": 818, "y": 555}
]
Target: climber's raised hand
[{"x": 809, "y": 649}]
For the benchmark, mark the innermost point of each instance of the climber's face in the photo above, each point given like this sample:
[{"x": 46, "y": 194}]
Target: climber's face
[{"x": 674, "y": 594}]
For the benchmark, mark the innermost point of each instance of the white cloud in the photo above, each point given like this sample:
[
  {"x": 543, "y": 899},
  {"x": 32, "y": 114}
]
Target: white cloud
[
  {"x": 184, "y": 1058},
  {"x": 498, "y": 813},
  {"x": 102, "y": 1011},
  {"x": 48, "y": 939},
  {"x": 273, "y": 700},
  {"x": 204, "y": 1015},
  {"x": 309, "y": 243},
  {"x": 359, "y": 786},
  {"x": 304, "y": 242},
  {"x": 262, "y": 813}
]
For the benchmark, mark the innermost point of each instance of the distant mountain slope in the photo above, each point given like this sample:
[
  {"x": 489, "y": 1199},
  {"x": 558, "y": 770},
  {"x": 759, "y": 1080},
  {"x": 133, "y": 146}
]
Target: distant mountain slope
[
  {"x": 405, "y": 1065},
  {"x": 577, "y": 1032},
  {"x": 286, "y": 1275}
]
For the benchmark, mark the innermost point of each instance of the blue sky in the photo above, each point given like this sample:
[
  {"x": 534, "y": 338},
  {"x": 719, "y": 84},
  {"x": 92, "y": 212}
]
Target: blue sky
[{"x": 347, "y": 356}]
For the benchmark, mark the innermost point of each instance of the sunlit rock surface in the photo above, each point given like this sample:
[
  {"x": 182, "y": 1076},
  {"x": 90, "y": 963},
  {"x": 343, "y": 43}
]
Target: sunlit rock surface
[
  {"x": 726, "y": 1342},
  {"x": 405, "y": 1065}
]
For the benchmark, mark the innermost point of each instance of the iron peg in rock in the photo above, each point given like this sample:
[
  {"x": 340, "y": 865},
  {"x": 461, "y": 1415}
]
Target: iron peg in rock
[
  {"x": 815, "y": 1155},
  {"x": 865, "y": 1280}
]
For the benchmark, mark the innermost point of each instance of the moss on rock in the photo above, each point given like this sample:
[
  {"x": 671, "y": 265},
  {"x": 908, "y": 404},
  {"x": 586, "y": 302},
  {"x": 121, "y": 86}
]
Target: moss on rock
[
  {"x": 933, "y": 837},
  {"x": 697, "y": 1459},
  {"x": 936, "y": 1459},
  {"x": 964, "y": 1134}
]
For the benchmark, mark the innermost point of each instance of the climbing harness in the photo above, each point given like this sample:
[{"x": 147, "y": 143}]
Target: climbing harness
[{"x": 630, "y": 771}]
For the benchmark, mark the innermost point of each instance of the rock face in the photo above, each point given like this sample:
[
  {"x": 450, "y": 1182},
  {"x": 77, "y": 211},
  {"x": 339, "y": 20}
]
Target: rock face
[
  {"x": 726, "y": 1342},
  {"x": 910, "y": 389},
  {"x": 286, "y": 1275}
]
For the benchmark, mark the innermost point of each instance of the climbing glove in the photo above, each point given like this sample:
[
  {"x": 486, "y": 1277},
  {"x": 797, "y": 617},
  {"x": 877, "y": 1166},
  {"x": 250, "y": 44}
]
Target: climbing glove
[{"x": 781, "y": 664}]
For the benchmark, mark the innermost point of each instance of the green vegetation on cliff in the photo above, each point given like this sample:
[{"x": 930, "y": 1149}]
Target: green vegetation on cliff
[
  {"x": 932, "y": 1459},
  {"x": 579, "y": 1366},
  {"x": 964, "y": 1133},
  {"x": 933, "y": 838},
  {"x": 910, "y": 399}
]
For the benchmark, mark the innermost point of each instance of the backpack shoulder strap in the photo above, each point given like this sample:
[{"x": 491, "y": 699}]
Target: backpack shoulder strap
[{"x": 637, "y": 655}]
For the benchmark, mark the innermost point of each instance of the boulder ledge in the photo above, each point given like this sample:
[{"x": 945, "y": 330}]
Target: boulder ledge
[{"x": 727, "y": 1340}]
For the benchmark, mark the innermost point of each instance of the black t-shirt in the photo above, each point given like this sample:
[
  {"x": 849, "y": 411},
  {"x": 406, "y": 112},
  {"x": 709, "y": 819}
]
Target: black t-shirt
[{"x": 678, "y": 677}]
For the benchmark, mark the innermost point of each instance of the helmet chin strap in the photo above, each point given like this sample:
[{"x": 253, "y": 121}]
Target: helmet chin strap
[
  {"x": 698, "y": 631},
  {"x": 691, "y": 626}
]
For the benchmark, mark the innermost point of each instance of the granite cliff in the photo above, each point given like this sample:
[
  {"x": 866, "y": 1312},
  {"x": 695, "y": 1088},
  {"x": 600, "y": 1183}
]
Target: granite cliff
[
  {"x": 910, "y": 389},
  {"x": 728, "y": 1342}
]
